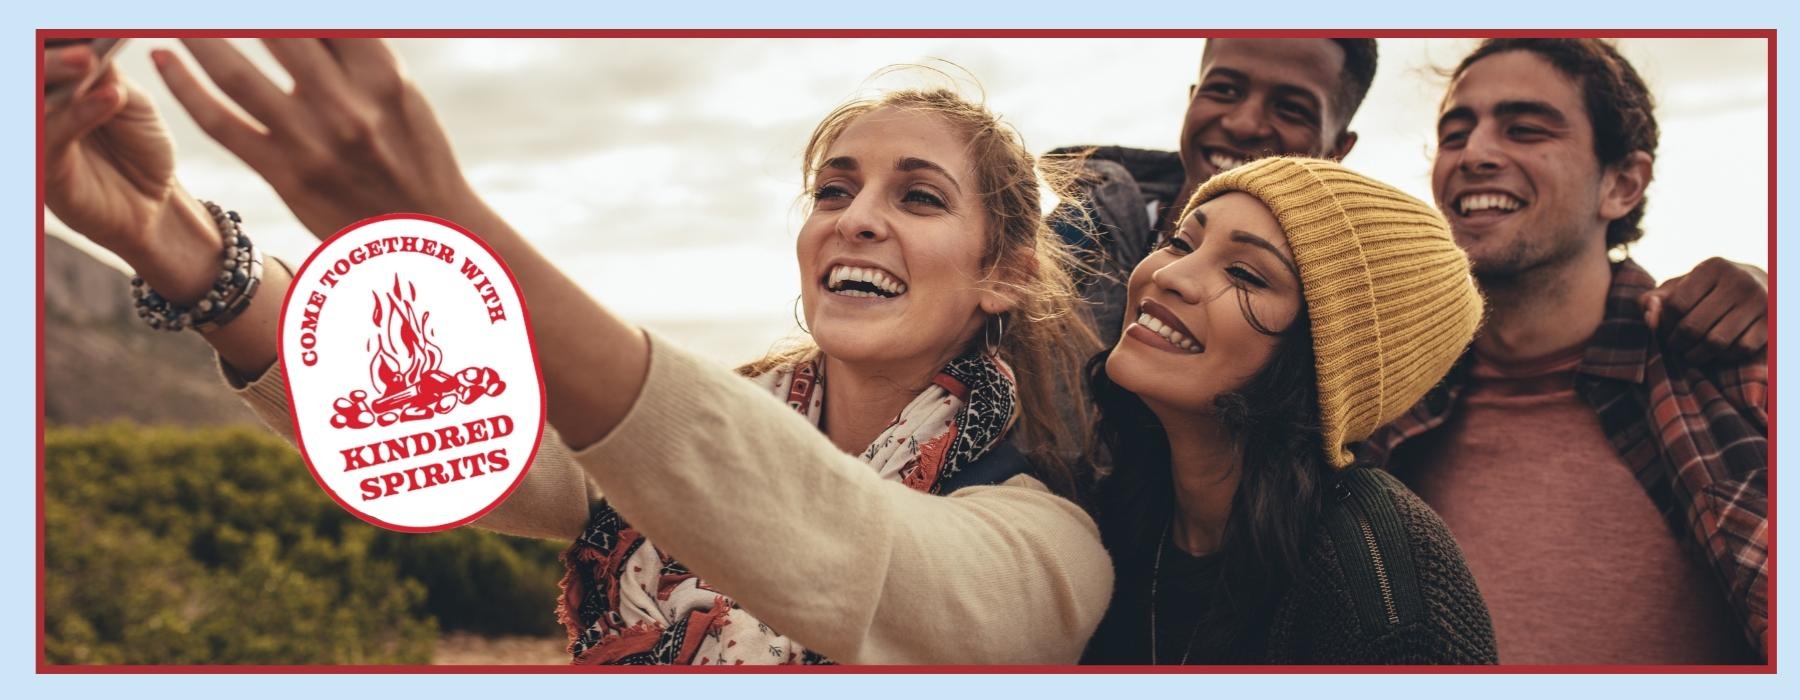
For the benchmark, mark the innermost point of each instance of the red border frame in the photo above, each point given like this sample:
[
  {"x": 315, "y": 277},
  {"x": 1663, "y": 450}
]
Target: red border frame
[
  {"x": 1767, "y": 34},
  {"x": 1770, "y": 638}
]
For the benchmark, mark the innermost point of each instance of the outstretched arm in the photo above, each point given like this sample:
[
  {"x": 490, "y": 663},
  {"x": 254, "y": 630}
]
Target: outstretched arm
[
  {"x": 354, "y": 138},
  {"x": 552, "y": 502},
  {"x": 750, "y": 496},
  {"x": 109, "y": 174}
]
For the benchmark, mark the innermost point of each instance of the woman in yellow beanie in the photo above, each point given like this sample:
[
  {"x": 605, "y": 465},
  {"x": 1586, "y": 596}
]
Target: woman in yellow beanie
[{"x": 1297, "y": 307}]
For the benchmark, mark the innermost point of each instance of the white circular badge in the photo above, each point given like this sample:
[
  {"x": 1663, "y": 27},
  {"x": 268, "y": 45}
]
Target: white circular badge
[{"x": 411, "y": 373}]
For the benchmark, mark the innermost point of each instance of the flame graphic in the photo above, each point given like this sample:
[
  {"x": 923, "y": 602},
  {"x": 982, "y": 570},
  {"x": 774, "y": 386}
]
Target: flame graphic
[{"x": 404, "y": 352}]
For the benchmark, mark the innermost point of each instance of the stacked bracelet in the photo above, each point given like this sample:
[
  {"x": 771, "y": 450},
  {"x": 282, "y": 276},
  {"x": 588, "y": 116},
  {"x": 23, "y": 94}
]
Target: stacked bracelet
[{"x": 239, "y": 275}]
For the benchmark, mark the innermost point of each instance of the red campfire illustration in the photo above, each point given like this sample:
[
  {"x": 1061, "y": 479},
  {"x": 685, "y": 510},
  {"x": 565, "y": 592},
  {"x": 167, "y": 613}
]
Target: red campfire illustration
[{"x": 404, "y": 370}]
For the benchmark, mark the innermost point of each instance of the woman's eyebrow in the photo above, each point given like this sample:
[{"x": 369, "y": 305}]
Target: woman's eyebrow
[
  {"x": 909, "y": 163},
  {"x": 1252, "y": 239}
]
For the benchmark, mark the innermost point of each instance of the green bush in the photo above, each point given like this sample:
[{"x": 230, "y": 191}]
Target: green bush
[{"x": 173, "y": 546}]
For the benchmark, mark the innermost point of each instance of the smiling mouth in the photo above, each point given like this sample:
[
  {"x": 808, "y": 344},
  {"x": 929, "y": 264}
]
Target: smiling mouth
[
  {"x": 1175, "y": 337},
  {"x": 1223, "y": 161},
  {"x": 1495, "y": 203},
  {"x": 863, "y": 282}
]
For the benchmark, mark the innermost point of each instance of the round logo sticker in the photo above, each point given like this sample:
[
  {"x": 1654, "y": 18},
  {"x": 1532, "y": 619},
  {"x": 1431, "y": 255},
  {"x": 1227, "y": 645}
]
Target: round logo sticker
[{"x": 410, "y": 367}]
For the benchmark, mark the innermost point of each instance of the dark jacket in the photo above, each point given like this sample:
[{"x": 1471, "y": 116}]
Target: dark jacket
[
  {"x": 1115, "y": 229},
  {"x": 1382, "y": 582}
]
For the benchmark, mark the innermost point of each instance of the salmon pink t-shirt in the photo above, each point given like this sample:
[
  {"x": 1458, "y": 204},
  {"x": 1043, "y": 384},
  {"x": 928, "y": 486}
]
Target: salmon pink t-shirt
[{"x": 1576, "y": 564}]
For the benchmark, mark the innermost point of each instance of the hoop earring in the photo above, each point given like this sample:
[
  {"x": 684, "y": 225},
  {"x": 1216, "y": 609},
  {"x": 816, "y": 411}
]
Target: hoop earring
[
  {"x": 992, "y": 345},
  {"x": 797, "y": 321}
]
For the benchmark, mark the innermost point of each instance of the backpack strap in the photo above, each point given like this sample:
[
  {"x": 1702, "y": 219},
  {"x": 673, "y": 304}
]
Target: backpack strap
[
  {"x": 1374, "y": 549},
  {"x": 1002, "y": 462}
]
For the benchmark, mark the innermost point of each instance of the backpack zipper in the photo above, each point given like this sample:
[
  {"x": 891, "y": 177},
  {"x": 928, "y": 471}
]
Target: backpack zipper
[{"x": 1381, "y": 573}]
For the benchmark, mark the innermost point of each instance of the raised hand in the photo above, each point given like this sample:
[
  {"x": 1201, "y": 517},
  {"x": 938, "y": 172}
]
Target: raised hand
[
  {"x": 352, "y": 139},
  {"x": 108, "y": 165},
  {"x": 109, "y": 173}
]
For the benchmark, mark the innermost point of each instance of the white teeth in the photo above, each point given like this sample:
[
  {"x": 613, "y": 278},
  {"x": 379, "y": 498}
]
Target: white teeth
[
  {"x": 1223, "y": 162},
  {"x": 879, "y": 279},
  {"x": 1173, "y": 336},
  {"x": 1484, "y": 202}
]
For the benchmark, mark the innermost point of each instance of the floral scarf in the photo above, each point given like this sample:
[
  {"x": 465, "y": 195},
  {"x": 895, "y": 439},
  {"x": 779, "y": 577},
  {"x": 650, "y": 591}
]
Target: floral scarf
[{"x": 626, "y": 602}]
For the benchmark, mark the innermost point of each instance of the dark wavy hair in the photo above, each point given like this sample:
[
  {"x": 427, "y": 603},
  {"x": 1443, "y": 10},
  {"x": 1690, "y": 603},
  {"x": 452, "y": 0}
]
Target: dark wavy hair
[
  {"x": 1275, "y": 417},
  {"x": 1618, "y": 104},
  {"x": 1360, "y": 58}
]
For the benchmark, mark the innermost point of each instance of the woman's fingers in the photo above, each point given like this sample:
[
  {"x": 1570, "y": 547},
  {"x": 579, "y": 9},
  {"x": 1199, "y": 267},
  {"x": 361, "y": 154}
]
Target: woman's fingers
[
  {"x": 369, "y": 64},
  {"x": 67, "y": 125},
  {"x": 242, "y": 81},
  {"x": 231, "y": 129},
  {"x": 311, "y": 65},
  {"x": 66, "y": 65},
  {"x": 327, "y": 100}
]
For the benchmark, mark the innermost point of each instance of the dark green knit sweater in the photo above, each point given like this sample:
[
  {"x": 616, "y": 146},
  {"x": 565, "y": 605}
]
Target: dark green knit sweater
[{"x": 1382, "y": 582}]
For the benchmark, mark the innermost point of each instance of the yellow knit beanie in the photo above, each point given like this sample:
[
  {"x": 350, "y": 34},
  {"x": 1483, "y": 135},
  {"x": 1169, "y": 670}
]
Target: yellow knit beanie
[{"x": 1389, "y": 293}]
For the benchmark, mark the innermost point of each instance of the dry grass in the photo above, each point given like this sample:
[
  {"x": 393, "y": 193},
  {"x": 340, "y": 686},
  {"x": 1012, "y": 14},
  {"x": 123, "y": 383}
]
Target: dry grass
[{"x": 462, "y": 648}]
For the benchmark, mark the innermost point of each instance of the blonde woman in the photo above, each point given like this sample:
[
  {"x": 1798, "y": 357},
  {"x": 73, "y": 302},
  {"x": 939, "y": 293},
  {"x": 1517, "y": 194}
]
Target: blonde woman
[{"x": 811, "y": 523}]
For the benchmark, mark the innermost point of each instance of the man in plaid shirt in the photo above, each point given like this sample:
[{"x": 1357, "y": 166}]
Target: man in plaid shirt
[{"x": 1607, "y": 482}]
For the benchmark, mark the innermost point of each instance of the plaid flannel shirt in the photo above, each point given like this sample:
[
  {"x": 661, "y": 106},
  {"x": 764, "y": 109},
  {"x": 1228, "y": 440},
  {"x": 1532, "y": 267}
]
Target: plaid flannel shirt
[{"x": 1696, "y": 437}]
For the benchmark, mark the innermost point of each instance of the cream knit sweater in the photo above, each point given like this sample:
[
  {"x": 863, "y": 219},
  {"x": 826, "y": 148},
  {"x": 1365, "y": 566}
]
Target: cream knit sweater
[{"x": 753, "y": 498}]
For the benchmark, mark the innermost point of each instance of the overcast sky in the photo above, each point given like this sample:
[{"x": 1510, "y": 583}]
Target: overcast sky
[{"x": 663, "y": 174}]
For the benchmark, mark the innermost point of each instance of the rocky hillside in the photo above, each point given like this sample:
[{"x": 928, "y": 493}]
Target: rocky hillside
[{"x": 102, "y": 364}]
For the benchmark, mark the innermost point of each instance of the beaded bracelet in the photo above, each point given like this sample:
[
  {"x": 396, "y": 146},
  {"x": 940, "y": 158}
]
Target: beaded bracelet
[{"x": 239, "y": 276}]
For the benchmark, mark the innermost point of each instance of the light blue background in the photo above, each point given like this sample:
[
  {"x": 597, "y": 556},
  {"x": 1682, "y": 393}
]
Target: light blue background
[{"x": 17, "y": 284}]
